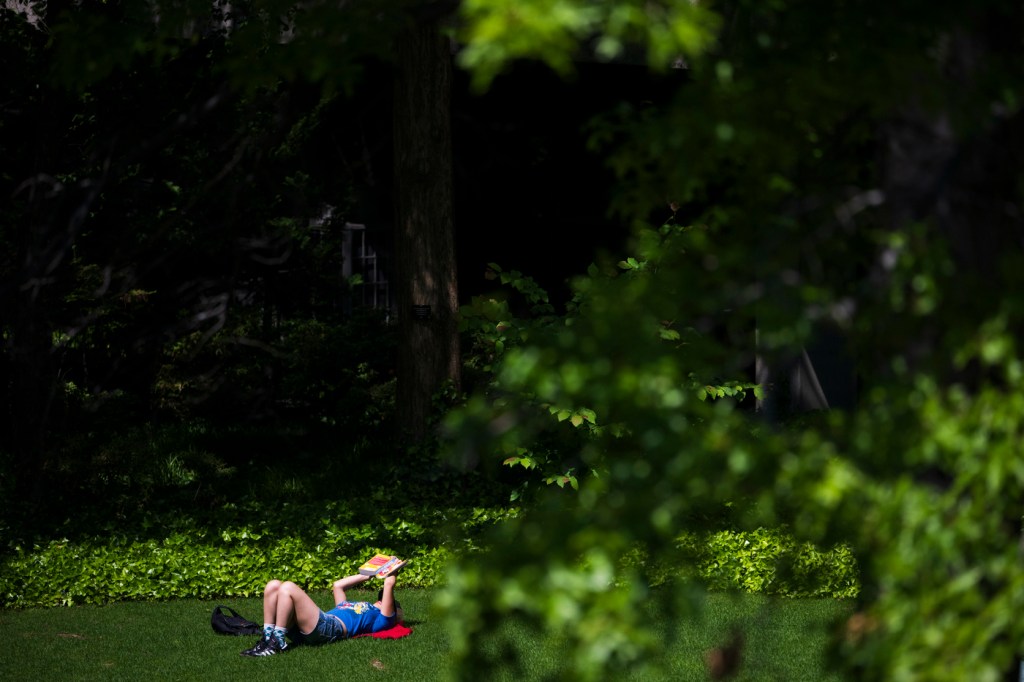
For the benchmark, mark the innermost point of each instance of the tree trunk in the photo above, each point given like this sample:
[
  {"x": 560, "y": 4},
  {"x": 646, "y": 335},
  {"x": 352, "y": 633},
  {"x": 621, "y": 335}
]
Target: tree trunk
[{"x": 427, "y": 289}]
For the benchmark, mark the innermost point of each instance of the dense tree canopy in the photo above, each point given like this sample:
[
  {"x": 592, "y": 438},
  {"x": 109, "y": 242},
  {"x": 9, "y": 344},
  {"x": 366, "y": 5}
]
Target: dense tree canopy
[{"x": 176, "y": 202}]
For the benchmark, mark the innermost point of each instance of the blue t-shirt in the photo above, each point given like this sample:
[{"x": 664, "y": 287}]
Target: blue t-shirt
[{"x": 362, "y": 617}]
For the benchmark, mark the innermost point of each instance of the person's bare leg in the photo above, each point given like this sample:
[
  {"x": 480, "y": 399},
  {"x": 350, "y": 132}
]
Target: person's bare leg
[
  {"x": 270, "y": 602},
  {"x": 295, "y": 608}
]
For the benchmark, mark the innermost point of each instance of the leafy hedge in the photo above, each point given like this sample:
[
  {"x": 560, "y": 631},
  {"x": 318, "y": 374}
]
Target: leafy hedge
[
  {"x": 171, "y": 556},
  {"x": 184, "y": 559},
  {"x": 770, "y": 561},
  {"x": 62, "y": 573}
]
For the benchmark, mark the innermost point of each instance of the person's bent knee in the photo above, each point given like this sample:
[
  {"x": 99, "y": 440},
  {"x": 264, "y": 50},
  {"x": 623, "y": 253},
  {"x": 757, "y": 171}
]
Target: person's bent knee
[
  {"x": 272, "y": 586},
  {"x": 289, "y": 587}
]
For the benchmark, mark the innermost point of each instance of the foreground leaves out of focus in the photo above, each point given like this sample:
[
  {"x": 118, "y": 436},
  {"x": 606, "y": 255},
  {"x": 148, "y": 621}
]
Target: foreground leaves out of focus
[{"x": 840, "y": 167}]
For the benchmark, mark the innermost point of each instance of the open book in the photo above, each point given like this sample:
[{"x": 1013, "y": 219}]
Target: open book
[{"x": 381, "y": 565}]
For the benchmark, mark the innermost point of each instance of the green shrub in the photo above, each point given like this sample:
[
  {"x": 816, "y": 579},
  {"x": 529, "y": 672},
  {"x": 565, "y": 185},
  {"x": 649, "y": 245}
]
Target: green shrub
[
  {"x": 770, "y": 561},
  {"x": 175, "y": 556},
  {"x": 323, "y": 542}
]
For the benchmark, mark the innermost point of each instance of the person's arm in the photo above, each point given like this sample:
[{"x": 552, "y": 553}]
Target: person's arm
[
  {"x": 343, "y": 584},
  {"x": 387, "y": 599}
]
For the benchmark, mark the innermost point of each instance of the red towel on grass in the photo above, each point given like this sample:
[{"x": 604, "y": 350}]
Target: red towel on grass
[{"x": 394, "y": 632}]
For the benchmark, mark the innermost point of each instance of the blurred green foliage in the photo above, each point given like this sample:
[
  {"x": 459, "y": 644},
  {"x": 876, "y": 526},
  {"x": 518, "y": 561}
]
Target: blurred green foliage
[
  {"x": 557, "y": 434},
  {"x": 817, "y": 151},
  {"x": 497, "y": 33}
]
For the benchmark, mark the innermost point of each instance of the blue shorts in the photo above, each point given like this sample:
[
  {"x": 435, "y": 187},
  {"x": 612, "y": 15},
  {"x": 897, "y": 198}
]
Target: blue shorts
[{"x": 328, "y": 629}]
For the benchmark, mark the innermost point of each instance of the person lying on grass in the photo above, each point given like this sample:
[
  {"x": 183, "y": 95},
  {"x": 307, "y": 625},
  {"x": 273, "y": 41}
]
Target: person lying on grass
[{"x": 290, "y": 613}]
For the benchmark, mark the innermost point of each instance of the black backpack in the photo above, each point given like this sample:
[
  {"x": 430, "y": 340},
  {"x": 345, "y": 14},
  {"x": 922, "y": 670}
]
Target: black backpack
[{"x": 232, "y": 624}]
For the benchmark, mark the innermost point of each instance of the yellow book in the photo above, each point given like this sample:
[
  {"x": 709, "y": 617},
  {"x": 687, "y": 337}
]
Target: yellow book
[{"x": 381, "y": 565}]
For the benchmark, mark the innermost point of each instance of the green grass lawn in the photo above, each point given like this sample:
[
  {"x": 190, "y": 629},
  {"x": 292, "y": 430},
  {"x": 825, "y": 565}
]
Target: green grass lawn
[{"x": 173, "y": 641}]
